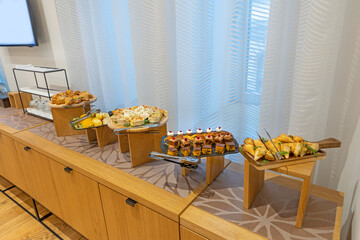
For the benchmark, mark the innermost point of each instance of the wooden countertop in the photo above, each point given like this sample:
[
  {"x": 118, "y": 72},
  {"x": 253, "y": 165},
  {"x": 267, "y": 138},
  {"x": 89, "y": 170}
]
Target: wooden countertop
[
  {"x": 272, "y": 214},
  {"x": 157, "y": 185}
]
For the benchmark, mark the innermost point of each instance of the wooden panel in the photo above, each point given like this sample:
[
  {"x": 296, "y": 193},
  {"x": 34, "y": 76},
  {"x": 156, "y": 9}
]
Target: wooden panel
[
  {"x": 213, "y": 227},
  {"x": 186, "y": 234},
  {"x": 141, "y": 145},
  {"x": 62, "y": 117},
  {"x": 79, "y": 201},
  {"x": 123, "y": 143},
  {"x": 253, "y": 181},
  {"x": 160, "y": 200},
  {"x": 105, "y": 136},
  {"x": 15, "y": 99},
  {"x": 139, "y": 222},
  {"x": 214, "y": 166},
  {"x": 10, "y": 167},
  {"x": 37, "y": 172}
]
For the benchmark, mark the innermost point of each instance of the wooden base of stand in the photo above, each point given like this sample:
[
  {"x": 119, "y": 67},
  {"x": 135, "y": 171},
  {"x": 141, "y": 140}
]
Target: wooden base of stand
[
  {"x": 214, "y": 166},
  {"x": 141, "y": 144},
  {"x": 15, "y": 102},
  {"x": 62, "y": 117},
  {"x": 254, "y": 180},
  {"x": 104, "y": 135}
]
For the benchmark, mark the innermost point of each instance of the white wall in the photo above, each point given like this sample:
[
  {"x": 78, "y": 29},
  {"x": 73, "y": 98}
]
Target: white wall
[{"x": 49, "y": 53}]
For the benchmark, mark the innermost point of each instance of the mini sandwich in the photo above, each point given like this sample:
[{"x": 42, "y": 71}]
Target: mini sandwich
[
  {"x": 172, "y": 151},
  {"x": 154, "y": 118},
  {"x": 206, "y": 150},
  {"x": 137, "y": 121},
  {"x": 196, "y": 151},
  {"x": 219, "y": 139},
  {"x": 185, "y": 151},
  {"x": 230, "y": 146},
  {"x": 220, "y": 148},
  {"x": 174, "y": 142}
]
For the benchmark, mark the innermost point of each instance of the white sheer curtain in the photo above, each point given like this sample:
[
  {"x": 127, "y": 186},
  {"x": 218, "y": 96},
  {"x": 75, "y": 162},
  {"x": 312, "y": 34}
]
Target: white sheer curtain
[
  {"x": 288, "y": 66},
  {"x": 200, "y": 60}
]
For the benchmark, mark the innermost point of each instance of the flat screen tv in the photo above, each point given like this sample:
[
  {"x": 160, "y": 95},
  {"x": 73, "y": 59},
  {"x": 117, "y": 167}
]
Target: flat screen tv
[{"x": 16, "y": 25}]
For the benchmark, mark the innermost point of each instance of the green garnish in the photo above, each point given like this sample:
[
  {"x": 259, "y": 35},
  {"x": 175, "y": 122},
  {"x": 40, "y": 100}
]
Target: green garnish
[
  {"x": 265, "y": 161},
  {"x": 115, "y": 122},
  {"x": 147, "y": 121},
  {"x": 127, "y": 125},
  {"x": 257, "y": 147},
  {"x": 280, "y": 143},
  {"x": 241, "y": 149},
  {"x": 264, "y": 139},
  {"x": 312, "y": 151},
  {"x": 283, "y": 153}
]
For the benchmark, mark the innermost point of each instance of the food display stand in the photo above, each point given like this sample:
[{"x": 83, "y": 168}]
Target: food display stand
[{"x": 301, "y": 167}]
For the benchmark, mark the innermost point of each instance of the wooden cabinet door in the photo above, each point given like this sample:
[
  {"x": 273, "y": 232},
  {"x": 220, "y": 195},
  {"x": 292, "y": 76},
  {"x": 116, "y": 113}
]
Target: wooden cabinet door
[
  {"x": 38, "y": 175},
  {"x": 124, "y": 221},
  {"x": 10, "y": 167},
  {"x": 79, "y": 201},
  {"x": 186, "y": 234}
]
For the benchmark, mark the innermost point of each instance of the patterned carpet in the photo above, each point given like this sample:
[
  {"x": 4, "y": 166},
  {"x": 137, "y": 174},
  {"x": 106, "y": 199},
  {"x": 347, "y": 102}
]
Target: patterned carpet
[
  {"x": 273, "y": 212},
  {"x": 21, "y": 121}
]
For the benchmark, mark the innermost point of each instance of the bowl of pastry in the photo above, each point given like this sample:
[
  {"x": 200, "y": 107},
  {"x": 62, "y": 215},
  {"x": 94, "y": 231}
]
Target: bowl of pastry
[
  {"x": 71, "y": 98},
  {"x": 143, "y": 116}
]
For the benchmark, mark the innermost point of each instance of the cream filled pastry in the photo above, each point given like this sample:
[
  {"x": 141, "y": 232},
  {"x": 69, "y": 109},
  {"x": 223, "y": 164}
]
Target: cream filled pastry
[
  {"x": 189, "y": 132},
  {"x": 199, "y": 131},
  {"x": 209, "y": 130},
  {"x": 219, "y": 129},
  {"x": 180, "y": 133},
  {"x": 170, "y": 134}
]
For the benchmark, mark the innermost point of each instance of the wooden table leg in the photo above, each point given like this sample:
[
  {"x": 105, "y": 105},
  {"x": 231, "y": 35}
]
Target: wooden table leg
[
  {"x": 90, "y": 134},
  {"x": 105, "y": 135},
  {"x": 123, "y": 143},
  {"x": 304, "y": 199},
  {"x": 253, "y": 181},
  {"x": 214, "y": 166}
]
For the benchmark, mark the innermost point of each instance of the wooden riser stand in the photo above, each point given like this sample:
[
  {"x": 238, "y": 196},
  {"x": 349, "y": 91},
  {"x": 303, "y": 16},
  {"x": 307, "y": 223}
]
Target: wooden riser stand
[
  {"x": 104, "y": 135},
  {"x": 141, "y": 144},
  {"x": 62, "y": 117}
]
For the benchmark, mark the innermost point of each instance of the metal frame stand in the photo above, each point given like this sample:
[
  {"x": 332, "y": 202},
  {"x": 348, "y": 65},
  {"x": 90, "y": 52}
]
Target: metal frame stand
[
  {"x": 36, "y": 216},
  {"x": 37, "y": 84}
]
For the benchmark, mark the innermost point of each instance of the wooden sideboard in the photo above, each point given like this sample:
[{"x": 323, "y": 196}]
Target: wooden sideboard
[{"x": 103, "y": 202}]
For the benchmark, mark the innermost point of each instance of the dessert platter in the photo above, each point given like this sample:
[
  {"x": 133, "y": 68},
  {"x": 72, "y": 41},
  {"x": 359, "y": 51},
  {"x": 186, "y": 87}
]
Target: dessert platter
[
  {"x": 92, "y": 119},
  {"x": 137, "y": 119},
  {"x": 284, "y": 150},
  {"x": 71, "y": 99},
  {"x": 199, "y": 144}
]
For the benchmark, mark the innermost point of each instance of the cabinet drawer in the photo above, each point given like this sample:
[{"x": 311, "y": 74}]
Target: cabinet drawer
[
  {"x": 38, "y": 175},
  {"x": 10, "y": 167},
  {"x": 126, "y": 219},
  {"x": 186, "y": 234},
  {"x": 79, "y": 201}
]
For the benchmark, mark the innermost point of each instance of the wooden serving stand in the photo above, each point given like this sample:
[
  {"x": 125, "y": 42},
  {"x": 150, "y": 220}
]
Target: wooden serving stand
[
  {"x": 63, "y": 114},
  {"x": 104, "y": 135},
  {"x": 301, "y": 167},
  {"x": 140, "y": 142}
]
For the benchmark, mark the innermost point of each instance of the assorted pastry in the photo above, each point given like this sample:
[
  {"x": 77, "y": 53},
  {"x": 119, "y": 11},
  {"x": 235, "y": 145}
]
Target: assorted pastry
[
  {"x": 70, "y": 97},
  {"x": 135, "y": 116},
  {"x": 287, "y": 145},
  {"x": 202, "y": 142},
  {"x": 93, "y": 120}
]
